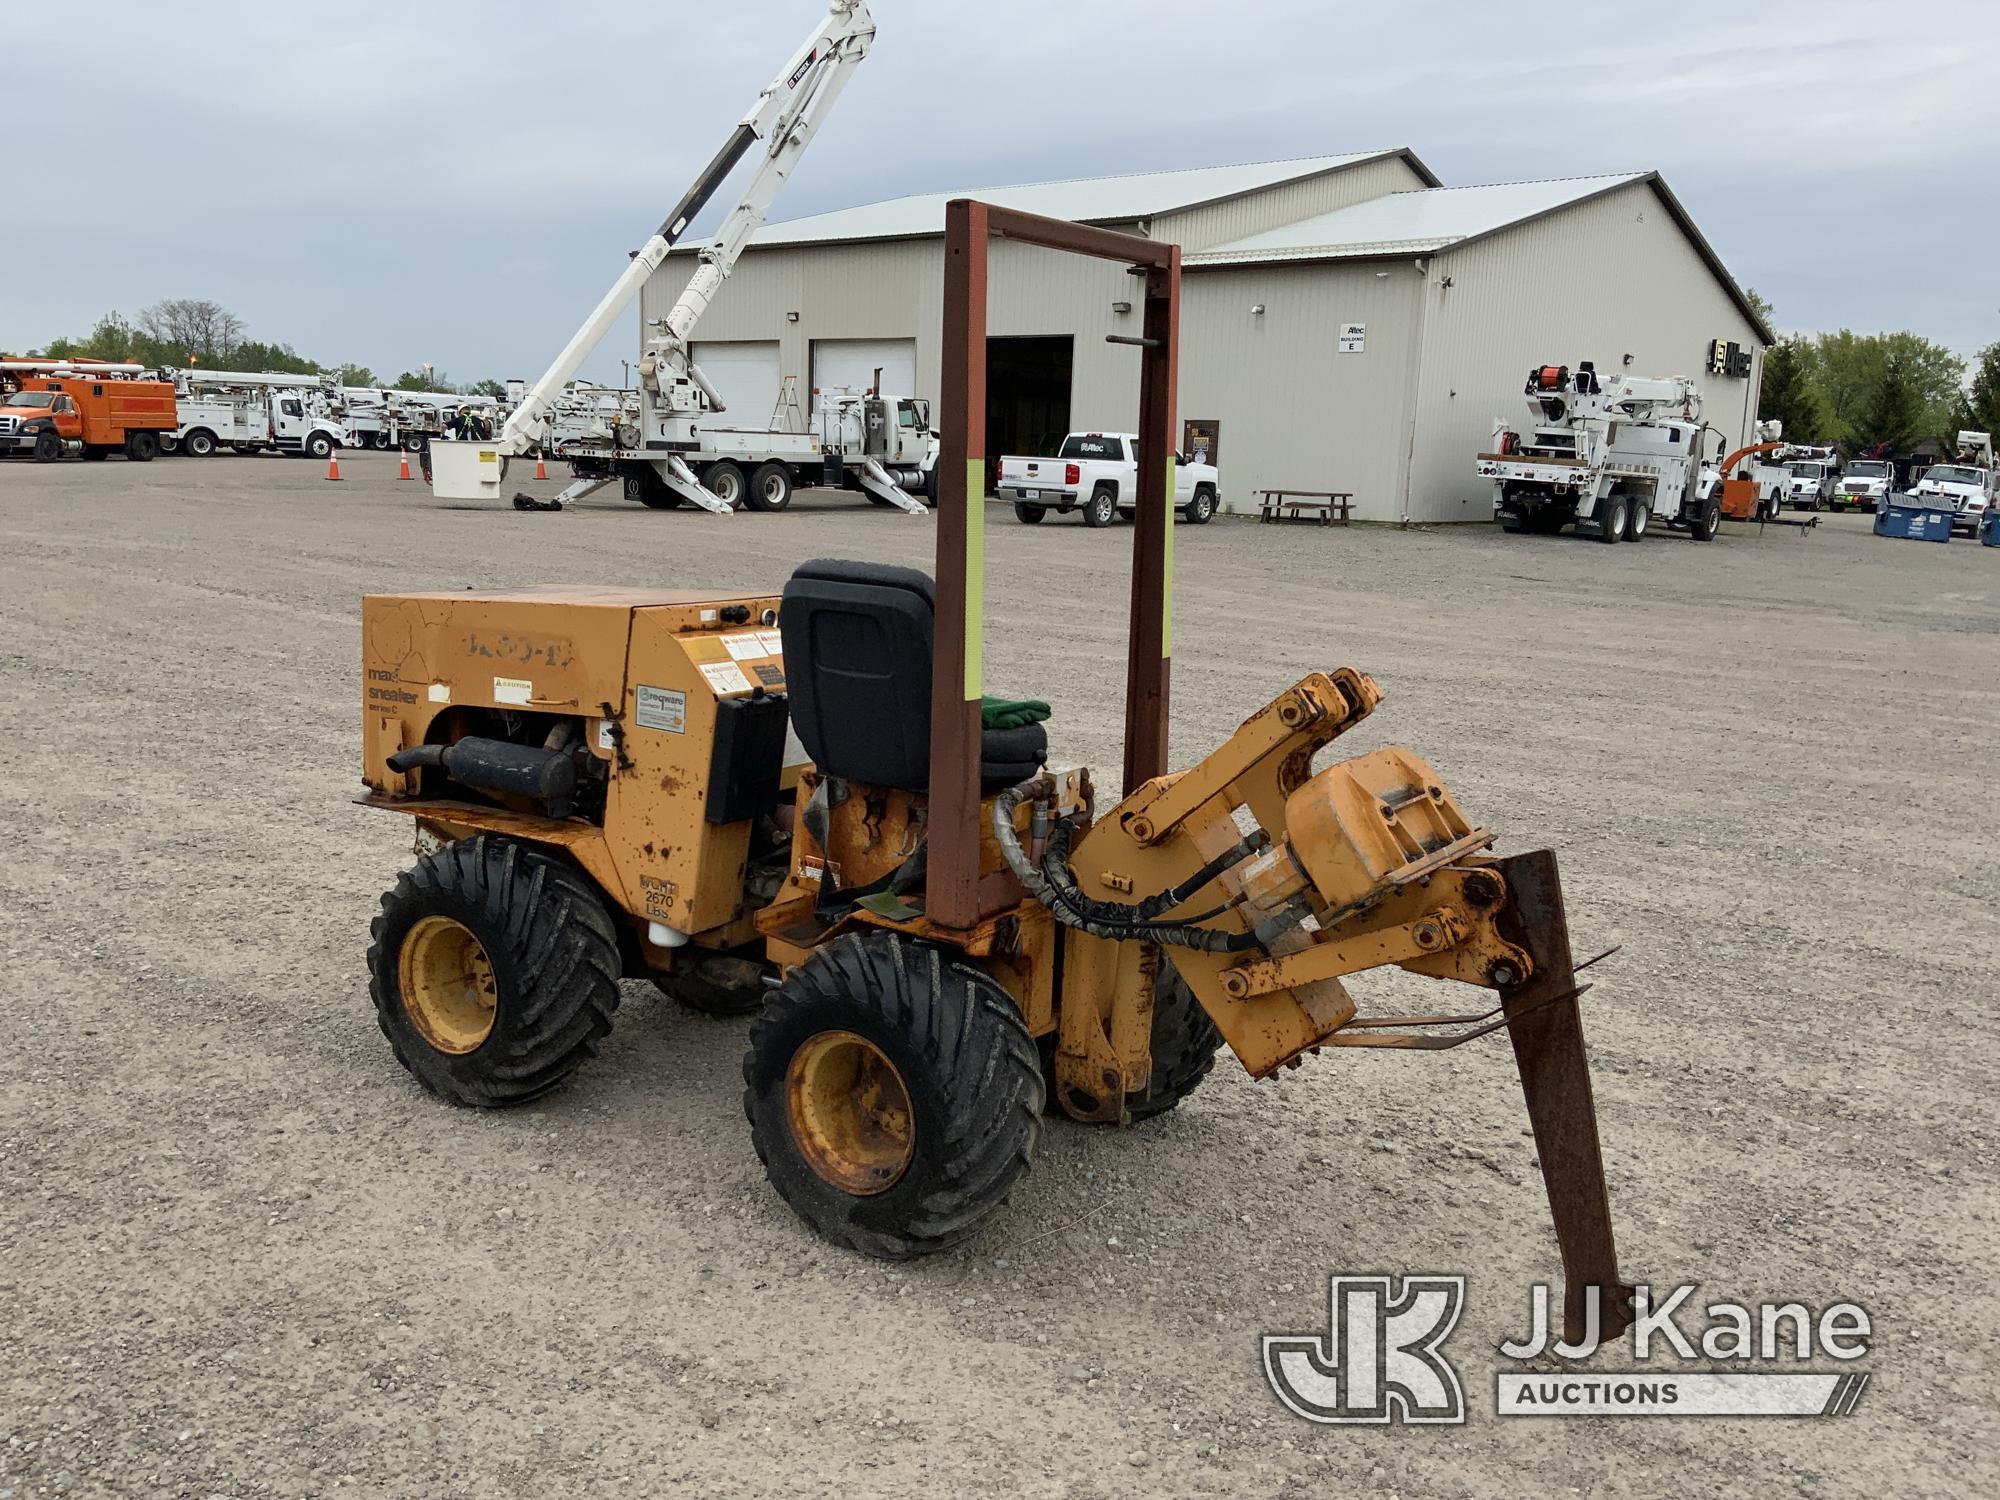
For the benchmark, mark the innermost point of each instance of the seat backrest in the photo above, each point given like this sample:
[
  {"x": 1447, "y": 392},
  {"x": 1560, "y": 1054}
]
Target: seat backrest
[{"x": 858, "y": 668}]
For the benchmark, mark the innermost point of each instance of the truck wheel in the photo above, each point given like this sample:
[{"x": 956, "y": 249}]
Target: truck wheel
[
  {"x": 1200, "y": 507},
  {"x": 141, "y": 447},
  {"x": 725, "y": 481},
  {"x": 1707, "y": 523},
  {"x": 48, "y": 447},
  {"x": 199, "y": 443},
  {"x": 494, "y": 971},
  {"x": 319, "y": 445},
  {"x": 770, "y": 488},
  {"x": 931, "y": 486},
  {"x": 1636, "y": 520},
  {"x": 1029, "y": 515},
  {"x": 169, "y": 444},
  {"x": 1101, "y": 509},
  {"x": 416, "y": 442},
  {"x": 894, "y": 1095},
  {"x": 1611, "y": 520}
]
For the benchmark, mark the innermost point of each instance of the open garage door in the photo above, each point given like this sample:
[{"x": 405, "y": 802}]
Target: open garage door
[
  {"x": 853, "y": 362},
  {"x": 1027, "y": 396},
  {"x": 746, "y": 373}
]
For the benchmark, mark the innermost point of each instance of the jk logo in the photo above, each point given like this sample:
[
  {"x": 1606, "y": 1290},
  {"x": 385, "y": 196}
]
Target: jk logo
[{"x": 1380, "y": 1360}]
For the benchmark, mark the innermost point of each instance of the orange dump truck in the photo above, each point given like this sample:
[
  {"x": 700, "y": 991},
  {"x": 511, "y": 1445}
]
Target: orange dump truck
[{"x": 59, "y": 416}]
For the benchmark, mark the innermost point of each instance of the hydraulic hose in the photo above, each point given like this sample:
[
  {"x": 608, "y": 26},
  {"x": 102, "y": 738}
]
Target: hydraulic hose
[{"x": 1052, "y": 884}]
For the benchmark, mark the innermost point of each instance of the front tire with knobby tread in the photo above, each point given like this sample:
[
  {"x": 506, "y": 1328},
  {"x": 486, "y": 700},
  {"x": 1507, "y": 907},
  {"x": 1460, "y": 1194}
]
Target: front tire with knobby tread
[
  {"x": 554, "y": 956},
  {"x": 964, "y": 1059}
]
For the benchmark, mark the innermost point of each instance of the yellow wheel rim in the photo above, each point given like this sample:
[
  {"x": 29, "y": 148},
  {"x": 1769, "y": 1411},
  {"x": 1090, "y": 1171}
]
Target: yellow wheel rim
[
  {"x": 850, "y": 1112},
  {"x": 449, "y": 992}
]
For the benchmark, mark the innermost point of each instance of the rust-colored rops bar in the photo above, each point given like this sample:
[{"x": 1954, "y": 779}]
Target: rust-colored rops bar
[{"x": 952, "y": 882}]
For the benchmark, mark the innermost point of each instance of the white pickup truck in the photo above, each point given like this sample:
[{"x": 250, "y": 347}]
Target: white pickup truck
[
  {"x": 1098, "y": 473},
  {"x": 1966, "y": 488}
]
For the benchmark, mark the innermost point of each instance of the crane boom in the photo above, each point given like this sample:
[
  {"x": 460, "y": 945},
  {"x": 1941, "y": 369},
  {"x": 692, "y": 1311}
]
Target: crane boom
[{"x": 787, "y": 114}]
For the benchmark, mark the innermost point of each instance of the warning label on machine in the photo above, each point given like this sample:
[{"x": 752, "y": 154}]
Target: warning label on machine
[{"x": 725, "y": 677}]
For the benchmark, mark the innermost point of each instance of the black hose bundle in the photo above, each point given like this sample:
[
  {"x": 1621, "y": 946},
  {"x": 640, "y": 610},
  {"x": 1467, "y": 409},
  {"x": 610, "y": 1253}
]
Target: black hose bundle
[{"x": 1054, "y": 885}]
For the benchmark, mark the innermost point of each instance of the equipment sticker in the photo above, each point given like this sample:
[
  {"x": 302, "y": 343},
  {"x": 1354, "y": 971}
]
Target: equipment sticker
[
  {"x": 774, "y": 642},
  {"x": 770, "y": 674},
  {"x": 512, "y": 690},
  {"x": 725, "y": 677},
  {"x": 745, "y": 647},
  {"x": 440, "y": 692},
  {"x": 662, "y": 708}
]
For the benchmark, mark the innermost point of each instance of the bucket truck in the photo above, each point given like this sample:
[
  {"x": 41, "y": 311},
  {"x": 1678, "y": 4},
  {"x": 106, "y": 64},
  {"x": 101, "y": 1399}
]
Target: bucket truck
[
  {"x": 678, "y": 448},
  {"x": 1609, "y": 452},
  {"x": 252, "y": 412}
]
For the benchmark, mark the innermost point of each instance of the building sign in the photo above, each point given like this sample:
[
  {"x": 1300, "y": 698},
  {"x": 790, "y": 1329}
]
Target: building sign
[
  {"x": 1726, "y": 358},
  {"x": 1353, "y": 338},
  {"x": 1201, "y": 442}
]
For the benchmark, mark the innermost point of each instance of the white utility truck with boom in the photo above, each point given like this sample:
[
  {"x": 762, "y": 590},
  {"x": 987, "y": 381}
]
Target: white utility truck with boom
[
  {"x": 678, "y": 450},
  {"x": 1610, "y": 452},
  {"x": 1969, "y": 486},
  {"x": 252, "y": 413}
]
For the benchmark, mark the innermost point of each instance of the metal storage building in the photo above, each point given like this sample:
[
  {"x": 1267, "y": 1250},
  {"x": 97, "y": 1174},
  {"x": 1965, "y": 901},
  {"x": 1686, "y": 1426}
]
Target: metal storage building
[{"x": 1347, "y": 322}]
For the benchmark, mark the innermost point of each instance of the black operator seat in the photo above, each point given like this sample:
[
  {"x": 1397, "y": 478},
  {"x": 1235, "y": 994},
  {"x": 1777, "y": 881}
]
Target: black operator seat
[{"x": 858, "y": 669}]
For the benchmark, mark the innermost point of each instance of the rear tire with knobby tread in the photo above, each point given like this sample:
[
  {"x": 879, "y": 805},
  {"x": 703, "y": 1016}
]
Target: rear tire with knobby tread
[
  {"x": 965, "y": 1060},
  {"x": 1184, "y": 1044},
  {"x": 554, "y": 955}
]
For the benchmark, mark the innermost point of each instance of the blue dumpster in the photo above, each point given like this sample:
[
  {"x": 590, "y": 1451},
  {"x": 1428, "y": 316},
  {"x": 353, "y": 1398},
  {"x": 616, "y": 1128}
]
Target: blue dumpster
[
  {"x": 1908, "y": 517},
  {"x": 1989, "y": 529}
]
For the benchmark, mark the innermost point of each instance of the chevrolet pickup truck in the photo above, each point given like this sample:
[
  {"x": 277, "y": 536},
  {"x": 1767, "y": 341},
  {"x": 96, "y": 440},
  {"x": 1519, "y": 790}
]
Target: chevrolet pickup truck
[{"x": 1097, "y": 473}]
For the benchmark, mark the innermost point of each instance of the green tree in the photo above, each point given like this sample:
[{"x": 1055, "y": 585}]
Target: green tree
[
  {"x": 1895, "y": 414},
  {"x": 1788, "y": 392},
  {"x": 488, "y": 387},
  {"x": 1849, "y": 370},
  {"x": 355, "y": 375},
  {"x": 1979, "y": 408}
]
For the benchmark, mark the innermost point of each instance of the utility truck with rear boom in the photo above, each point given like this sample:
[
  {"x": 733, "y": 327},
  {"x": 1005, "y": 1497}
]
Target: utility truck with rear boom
[
  {"x": 682, "y": 447},
  {"x": 1609, "y": 452},
  {"x": 797, "y": 801}
]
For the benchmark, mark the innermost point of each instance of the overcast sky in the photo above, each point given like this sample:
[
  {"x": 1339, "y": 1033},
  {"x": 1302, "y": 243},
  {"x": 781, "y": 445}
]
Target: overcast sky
[{"x": 459, "y": 182}]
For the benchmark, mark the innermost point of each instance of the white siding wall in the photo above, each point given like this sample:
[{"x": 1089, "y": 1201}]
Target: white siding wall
[
  {"x": 1216, "y": 224},
  {"x": 1599, "y": 281},
  {"x": 1295, "y": 411}
]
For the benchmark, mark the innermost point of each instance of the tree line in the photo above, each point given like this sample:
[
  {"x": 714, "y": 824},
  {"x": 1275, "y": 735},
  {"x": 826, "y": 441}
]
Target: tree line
[
  {"x": 193, "y": 331},
  {"x": 1877, "y": 392}
]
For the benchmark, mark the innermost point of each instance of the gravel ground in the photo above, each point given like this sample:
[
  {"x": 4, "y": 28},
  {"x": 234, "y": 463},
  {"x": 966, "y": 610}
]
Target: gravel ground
[{"x": 242, "y": 1254}]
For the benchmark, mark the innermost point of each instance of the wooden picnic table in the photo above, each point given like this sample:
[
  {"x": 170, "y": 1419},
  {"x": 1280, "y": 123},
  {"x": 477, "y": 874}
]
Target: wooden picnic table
[{"x": 1330, "y": 507}]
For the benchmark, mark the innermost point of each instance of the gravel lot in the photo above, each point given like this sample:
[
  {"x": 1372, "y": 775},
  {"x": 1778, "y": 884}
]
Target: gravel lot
[{"x": 242, "y": 1254}]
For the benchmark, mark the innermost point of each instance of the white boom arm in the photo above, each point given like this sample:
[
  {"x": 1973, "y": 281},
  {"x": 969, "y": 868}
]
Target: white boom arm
[{"x": 787, "y": 114}]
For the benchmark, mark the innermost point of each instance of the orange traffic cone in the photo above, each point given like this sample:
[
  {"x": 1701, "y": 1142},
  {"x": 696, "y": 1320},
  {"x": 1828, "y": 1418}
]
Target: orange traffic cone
[
  {"x": 333, "y": 464},
  {"x": 405, "y": 474},
  {"x": 541, "y": 465}
]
